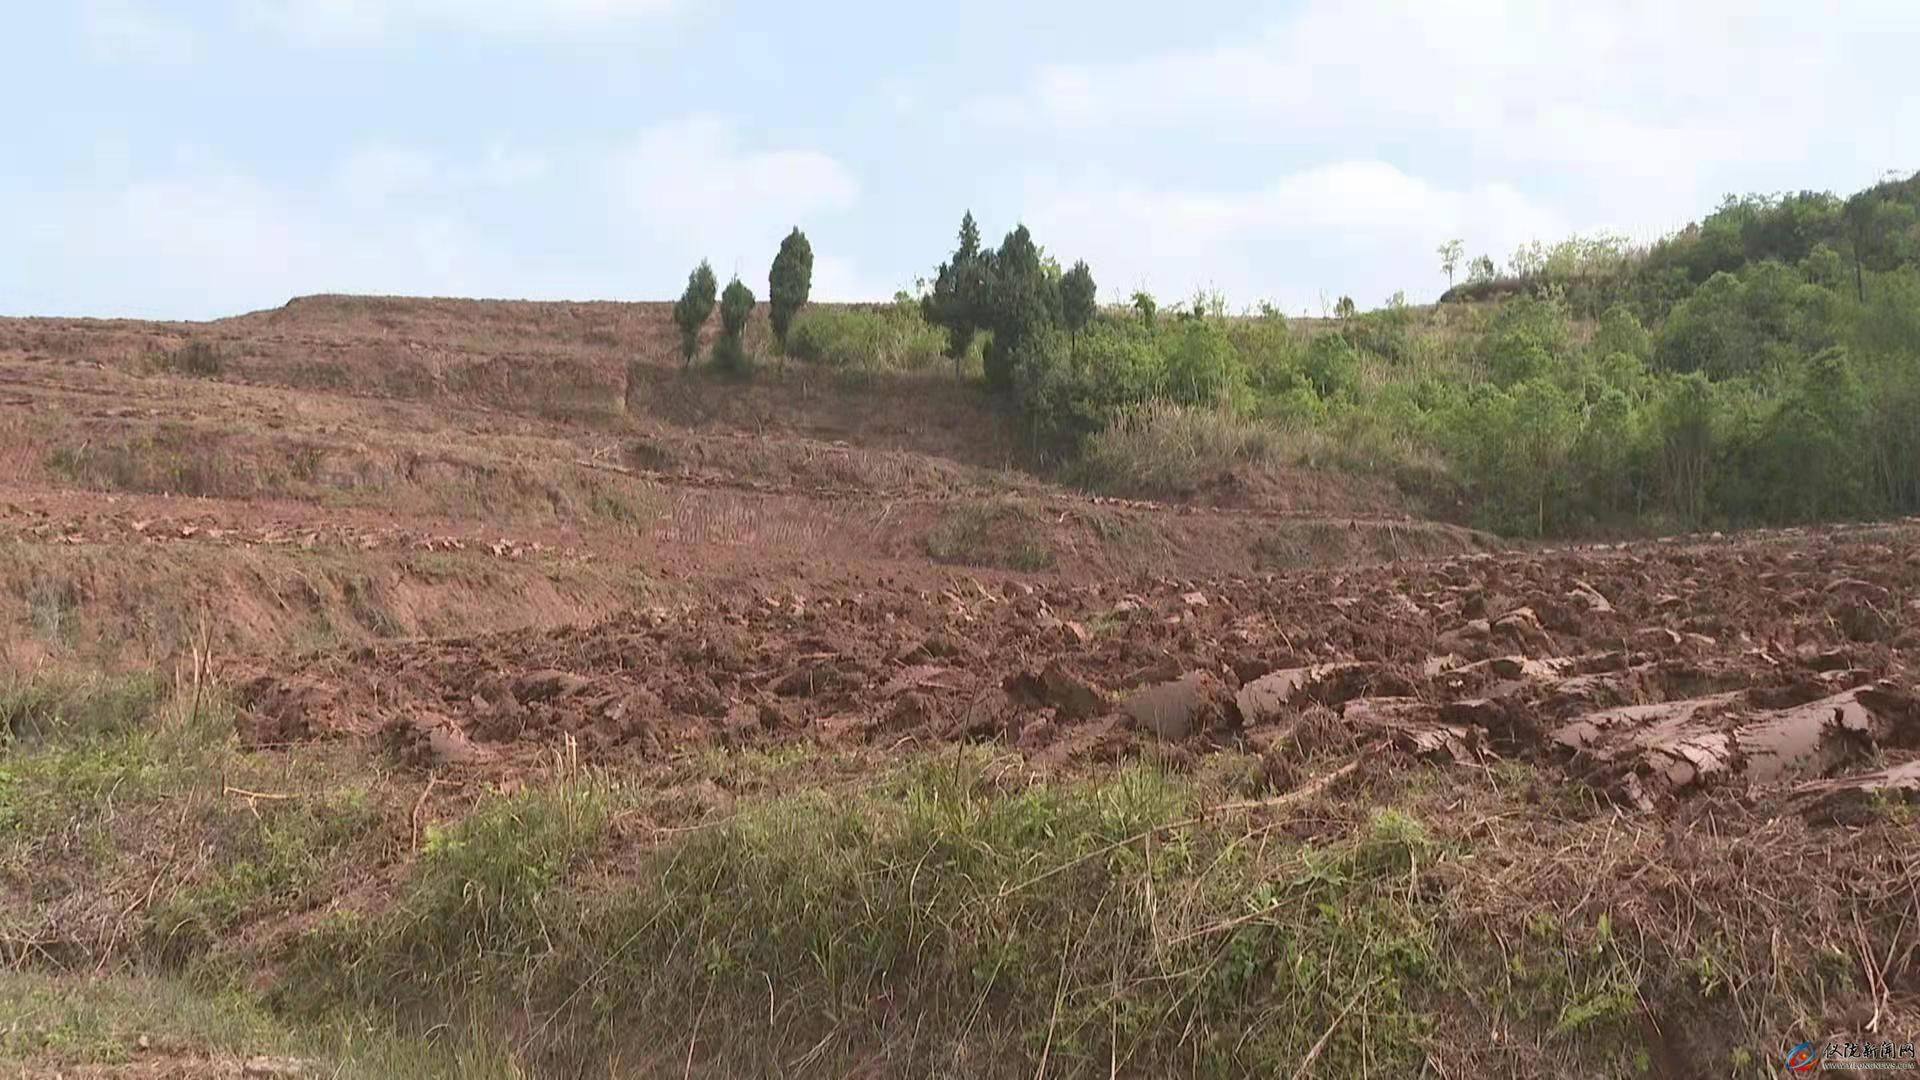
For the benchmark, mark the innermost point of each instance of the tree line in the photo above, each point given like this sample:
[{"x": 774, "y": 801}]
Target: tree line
[{"x": 1762, "y": 365}]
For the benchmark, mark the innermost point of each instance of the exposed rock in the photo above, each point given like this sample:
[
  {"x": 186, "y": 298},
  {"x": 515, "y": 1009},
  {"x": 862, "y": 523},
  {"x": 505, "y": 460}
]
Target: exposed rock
[
  {"x": 1835, "y": 658},
  {"x": 1520, "y": 667},
  {"x": 1467, "y": 640}
]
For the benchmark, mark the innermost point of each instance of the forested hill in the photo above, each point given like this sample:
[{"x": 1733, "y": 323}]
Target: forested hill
[{"x": 1875, "y": 230}]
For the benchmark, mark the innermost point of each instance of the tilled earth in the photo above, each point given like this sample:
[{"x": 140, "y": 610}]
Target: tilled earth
[{"x": 1780, "y": 663}]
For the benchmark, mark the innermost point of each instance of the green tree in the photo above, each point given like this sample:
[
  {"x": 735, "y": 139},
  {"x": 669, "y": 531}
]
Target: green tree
[
  {"x": 1147, "y": 307},
  {"x": 1449, "y": 253},
  {"x": 1620, "y": 333},
  {"x": 957, "y": 303},
  {"x": 1331, "y": 365},
  {"x": 1684, "y": 423},
  {"x": 1604, "y": 457},
  {"x": 1481, "y": 269},
  {"x": 1345, "y": 308},
  {"x": 1528, "y": 339},
  {"x": 1876, "y": 231},
  {"x": 691, "y": 311},
  {"x": 736, "y": 307},
  {"x": 1202, "y": 366},
  {"x": 1763, "y": 319},
  {"x": 1813, "y": 467},
  {"x": 1023, "y": 302},
  {"x": 1513, "y": 445},
  {"x": 1885, "y": 346},
  {"x": 788, "y": 283},
  {"x": 1077, "y": 294},
  {"x": 1824, "y": 267}
]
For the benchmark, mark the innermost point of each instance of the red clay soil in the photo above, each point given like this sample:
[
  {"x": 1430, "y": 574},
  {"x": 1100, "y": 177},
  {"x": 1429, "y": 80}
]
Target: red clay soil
[{"x": 1649, "y": 670}]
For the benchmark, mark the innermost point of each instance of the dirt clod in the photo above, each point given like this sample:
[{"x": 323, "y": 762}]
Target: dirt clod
[{"x": 1187, "y": 706}]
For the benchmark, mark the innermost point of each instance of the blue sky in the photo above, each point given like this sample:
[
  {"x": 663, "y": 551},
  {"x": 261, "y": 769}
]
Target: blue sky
[{"x": 197, "y": 158}]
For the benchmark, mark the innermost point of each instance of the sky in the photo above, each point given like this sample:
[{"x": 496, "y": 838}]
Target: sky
[{"x": 201, "y": 158}]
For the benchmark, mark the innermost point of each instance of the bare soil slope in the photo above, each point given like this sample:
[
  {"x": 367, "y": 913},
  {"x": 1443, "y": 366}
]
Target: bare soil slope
[
  {"x": 490, "y": 656},
  {"x": 359, "y": 468}
]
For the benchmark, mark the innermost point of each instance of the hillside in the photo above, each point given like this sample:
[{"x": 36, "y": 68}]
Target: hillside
[
  {"x": 410, "y": 467},
  {"x": 471, "y": 689}
]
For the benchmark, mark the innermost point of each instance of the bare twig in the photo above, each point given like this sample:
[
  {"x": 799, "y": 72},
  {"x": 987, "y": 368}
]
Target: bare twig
[
  {"x": 1313, "y": 1055},
  {"x": 413, "y": 819},
  {"x": 603, "y": 466},
  {"x": 244, "y": 793}
]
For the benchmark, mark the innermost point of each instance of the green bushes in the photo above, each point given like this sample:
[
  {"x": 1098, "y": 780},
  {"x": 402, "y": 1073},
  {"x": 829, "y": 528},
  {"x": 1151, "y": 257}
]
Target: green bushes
[
  {"x": 889, "y": 337},
  {"x": 1763, "y": 366}
]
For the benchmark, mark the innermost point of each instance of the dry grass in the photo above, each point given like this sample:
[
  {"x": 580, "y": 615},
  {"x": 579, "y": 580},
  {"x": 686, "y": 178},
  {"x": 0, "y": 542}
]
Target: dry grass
[{"x": 1161, "y": 449}]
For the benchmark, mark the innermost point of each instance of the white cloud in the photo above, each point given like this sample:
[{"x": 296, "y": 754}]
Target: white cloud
[
  {"x": 376, "y": 174},
  {"x": 359, "y": 22},
  {"x": 204, "y": 240},
  {"x": 690, "y": 190},
  {"x": 837, "y": 279},
  {"x": 1363, "y": 228},
  {"x": 120, "y": 31},
  {"x": 198, "y": 238},
  {"x": 1632, "y": 116}
]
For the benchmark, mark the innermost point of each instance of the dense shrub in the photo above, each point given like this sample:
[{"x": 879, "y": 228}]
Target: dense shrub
[
  {"x": 890, "y": 337},
  {"x": 1163, "y": 449},
  {"x": 690, "y": 312},
  {"x": 1763, "y": 366},
  {"x": 789, "y": 283},
  {"x": 1528, "y": 339}
]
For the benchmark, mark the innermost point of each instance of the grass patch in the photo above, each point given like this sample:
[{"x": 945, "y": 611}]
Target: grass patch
[
  {"x": 67, "y": 706},
  {"x": 945, "y": 915},
  {"x": 174, "y": 459},
  {"x": 628, "y": 510},
  {"x": 180, "y": 1029},
  {"x": 870, "y": 338},
  {"x": 1005, "y": 534},
  {"x": 1009, "y": 924},
  {"x": 1161, "y": 449},
  {"x": 51, "y": 602},
  {"x": 69, "y": 1020},
  {"x": 201, "y": 359}
]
